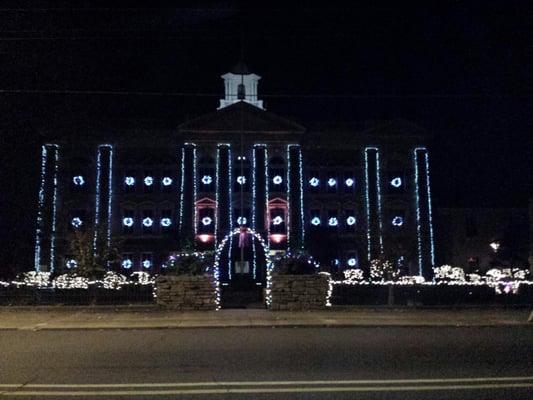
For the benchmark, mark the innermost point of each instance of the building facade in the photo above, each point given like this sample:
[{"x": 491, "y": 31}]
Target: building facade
[{"x": 344, "y": 194}]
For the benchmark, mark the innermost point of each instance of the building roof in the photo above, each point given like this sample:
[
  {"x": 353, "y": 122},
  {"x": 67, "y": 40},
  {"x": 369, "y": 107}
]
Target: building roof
[{"x": 240, "y": 69}]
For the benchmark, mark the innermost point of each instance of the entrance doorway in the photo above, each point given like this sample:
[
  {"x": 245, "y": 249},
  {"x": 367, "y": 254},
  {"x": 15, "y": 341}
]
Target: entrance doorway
[{"x": 243, "y": 259}]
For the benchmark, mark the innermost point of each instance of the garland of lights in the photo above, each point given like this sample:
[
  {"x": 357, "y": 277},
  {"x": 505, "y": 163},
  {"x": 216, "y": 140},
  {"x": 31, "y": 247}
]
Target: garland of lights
[
  {"x": 216, "y": 264},
  {"x": 367, "y": 198},
  {"x": 301, "y": 200},
  {"x": 182, "y": 187},
  {"x": 98, "y": 190},
  {"x": 40, "y": 210},
  {"x": 418, "y": 213},
  {"x": 287, "y": 225},
  {"x": 230, "y": 208},
  {"x": 54, "y": 208}
]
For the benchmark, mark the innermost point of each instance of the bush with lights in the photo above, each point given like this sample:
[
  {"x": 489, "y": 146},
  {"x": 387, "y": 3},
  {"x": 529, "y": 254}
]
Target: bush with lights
[
  {"x": 382, "y": 269},
  {"x": 185, "y": 263}
]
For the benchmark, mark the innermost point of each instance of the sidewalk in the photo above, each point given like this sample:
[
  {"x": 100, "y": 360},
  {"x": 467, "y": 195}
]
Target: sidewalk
[{"x": 150, "y": 317}]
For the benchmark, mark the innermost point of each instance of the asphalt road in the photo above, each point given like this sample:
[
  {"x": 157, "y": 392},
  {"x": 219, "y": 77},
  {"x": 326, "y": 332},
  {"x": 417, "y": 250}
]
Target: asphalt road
[{"x": 267, "y": 363}]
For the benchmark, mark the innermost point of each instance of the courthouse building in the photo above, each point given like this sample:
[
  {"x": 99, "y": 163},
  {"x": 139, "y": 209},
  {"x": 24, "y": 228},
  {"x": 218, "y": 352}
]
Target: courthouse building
[{"x": 345, "y": 194}]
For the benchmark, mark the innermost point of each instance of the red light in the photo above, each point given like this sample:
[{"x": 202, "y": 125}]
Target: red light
[
  {"x": 205, "y": 238},
  {"x": 277, "y": 237}
]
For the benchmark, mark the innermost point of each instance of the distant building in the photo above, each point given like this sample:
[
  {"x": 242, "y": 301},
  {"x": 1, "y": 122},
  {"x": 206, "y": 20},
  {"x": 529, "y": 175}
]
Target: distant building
[{"x": 345, "y": 194}]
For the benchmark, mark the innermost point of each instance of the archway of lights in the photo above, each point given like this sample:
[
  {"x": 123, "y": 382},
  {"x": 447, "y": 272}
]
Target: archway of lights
[{"x": 268, "y": 261}]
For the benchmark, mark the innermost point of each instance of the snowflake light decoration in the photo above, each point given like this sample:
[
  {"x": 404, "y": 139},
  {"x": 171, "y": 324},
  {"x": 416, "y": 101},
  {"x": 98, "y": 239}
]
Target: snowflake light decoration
[
  {"x": 241, "y": 220},
  {"x": 206, "y": 221},
  {"x": 315, "y": 221},
  {"x": 78, "y": 180},
  {"x": 148, "y": 181},
  {"x": 241, "y": 180},
  {"x": 71, "y": 263},
  {"x": 277, "y": 221},
  {"x": 127, "y": 263},
  {"x": 351, "y": 220},
  {"x": 128, "y": 221},
  {"x": 148, "y": 222},
  {"x": 166, "y": 222},
  {"x": 396, "y": 182},
  {"x": 397, "y": 221},
  {"x": 207, "y": 179},
  {"x": 332, "y": 182},
  {"x": 349, "y": 182},
  {"x": 129, "y": 180},
  {"x": 314, "y": 182},
  {"x": 277, "y": 180},
  {"x": 76, "y": 222},
  {"x": 167, "y": 181},
  {"x": 333, "y": 221}
]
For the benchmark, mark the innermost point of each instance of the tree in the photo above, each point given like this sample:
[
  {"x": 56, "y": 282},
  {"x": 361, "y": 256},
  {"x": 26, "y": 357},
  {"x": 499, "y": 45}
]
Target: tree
[{"x": 93, "y": 258}]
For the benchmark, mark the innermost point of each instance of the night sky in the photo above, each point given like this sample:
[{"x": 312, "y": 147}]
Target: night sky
[{"x": 461, "y": 70}]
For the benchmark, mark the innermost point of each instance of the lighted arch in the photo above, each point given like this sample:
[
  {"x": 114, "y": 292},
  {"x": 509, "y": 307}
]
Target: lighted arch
[{"x": 268, "y": 260}]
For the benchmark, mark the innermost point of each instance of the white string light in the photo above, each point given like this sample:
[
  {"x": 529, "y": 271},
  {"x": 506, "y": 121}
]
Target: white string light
[
  {"x": 40, "y": 209},
  {"x": 54, "y": 208}
]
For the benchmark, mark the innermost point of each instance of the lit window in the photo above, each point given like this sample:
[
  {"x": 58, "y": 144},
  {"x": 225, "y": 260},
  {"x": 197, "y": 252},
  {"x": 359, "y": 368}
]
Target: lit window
[
  {"x": 333, "y": 221},
  {"x": 396, "y": 182},
  {"x": 78, "y": 180},
  {"x": 167, "y": 181},
  {"x": 76, "y": 222},
  {"x": 148, "y": 222},
  {"x": 128, "y": 221},
  {"x": 277, "y": 221},
  {"x": 397, "y": 221},
  {"x": 314, "y": 182},
  {"x": 166, "y": 222}
]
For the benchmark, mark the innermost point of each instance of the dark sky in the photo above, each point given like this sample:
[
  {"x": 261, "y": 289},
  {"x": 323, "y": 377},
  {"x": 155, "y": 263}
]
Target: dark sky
[{"x": 462, "y": 70}]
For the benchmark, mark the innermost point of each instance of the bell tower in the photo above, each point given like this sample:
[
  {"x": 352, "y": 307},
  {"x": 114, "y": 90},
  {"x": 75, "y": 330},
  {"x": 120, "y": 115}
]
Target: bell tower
[{"x": 240, "y": 85}]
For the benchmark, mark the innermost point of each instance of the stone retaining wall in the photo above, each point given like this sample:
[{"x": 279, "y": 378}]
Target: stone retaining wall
[
  {"x": 299, "y": 292},
  {"x": 186, "y": 292}
]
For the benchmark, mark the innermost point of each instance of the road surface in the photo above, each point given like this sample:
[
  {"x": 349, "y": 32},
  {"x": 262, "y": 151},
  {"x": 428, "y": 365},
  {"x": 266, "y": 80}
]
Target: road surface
[{"x": 269, "y": 363}]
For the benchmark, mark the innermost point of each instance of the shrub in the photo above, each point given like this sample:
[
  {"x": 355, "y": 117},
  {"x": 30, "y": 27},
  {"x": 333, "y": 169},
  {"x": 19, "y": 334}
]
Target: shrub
[
  {"x": 188, "y": 264},
  {"x": 295, "y": 265}
]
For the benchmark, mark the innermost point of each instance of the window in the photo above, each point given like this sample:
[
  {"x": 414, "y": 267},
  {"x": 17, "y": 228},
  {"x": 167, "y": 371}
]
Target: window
[
  {"x": 129, "y": 181},
  {"x": 147, "y": 261},
  {"x": 127, "y": 261},
  {"x": 147, "y": 221},
  {"x": 166, "y": 220},
  {"x": 332, "y": 182},
  {"x": 128, "y": 221},
  {"x": 350, "y": 221}
]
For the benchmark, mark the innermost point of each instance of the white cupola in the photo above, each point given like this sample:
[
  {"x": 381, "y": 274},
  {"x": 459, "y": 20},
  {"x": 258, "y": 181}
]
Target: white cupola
[{"x": 240, "y": 85}]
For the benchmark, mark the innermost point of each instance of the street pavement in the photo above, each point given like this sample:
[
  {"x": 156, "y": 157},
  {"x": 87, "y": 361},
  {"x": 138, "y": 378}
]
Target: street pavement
[
  {"x": 144, "y": 317},
  {"x": 364, "y": 362}
]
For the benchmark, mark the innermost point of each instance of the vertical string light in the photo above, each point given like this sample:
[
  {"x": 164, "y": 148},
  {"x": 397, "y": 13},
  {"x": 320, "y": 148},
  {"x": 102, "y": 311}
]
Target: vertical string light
[
  {"x": 302, "y": 221},
  {"x": 195, "y": 187},
  {"x": 287, "y": 220},
  {"x": 417, "y": 205},
  {"x": 378, "y": 200},
  {"x": 230, "y": 206},
  {"x": 98, "y": 193},
  {"x": 367, "y": 201},
  {"x": 54, "y": 208},
  {"x": 378, "y": 188},
  {"x": 217, "y": 200},
  {"x": 267, "y": 211},
  {"x": 110, "y": 195},
  {"x": 254, "y": 178},
  {"x": 97, "y": 199},
  {"x": 40, "y": 209},
  {"x": 430, "y": 214},
  {"x": 182, "y": 186}
]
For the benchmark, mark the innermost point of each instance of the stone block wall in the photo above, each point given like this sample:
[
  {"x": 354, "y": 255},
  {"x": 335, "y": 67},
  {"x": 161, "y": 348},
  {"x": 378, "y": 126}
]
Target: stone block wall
[
  {"x": 185, "y": 292},
  {"x": 299, "y": 292}
]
